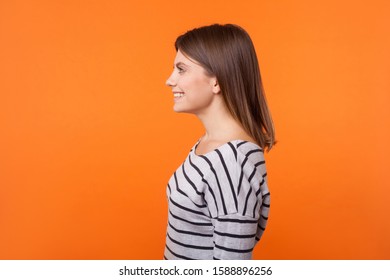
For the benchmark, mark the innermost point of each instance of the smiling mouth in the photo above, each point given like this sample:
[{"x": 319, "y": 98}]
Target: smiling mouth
[{"x": 178, "y": 94}]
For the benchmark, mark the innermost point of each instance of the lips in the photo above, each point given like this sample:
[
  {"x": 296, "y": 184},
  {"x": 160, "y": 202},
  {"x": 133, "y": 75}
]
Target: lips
[{"x": 178, "y": 94}]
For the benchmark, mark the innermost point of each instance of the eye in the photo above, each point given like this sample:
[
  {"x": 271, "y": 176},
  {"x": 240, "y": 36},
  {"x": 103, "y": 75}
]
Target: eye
[{"x": 180, "y": 70}]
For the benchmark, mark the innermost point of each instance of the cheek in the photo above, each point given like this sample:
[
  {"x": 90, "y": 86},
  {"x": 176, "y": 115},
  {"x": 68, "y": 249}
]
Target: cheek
[
  {"x": 197, "y": 86},
  {"x": 200, "y": 96}
]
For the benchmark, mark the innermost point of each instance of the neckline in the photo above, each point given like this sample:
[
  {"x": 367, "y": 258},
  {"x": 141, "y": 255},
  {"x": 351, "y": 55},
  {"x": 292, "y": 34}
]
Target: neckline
[{"x": 220, "y": 146}]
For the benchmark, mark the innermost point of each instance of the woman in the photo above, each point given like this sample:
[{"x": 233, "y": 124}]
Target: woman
[{"x": 218, "y": 198}]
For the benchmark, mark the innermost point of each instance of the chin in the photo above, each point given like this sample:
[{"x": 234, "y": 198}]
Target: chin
[
  {"x": 177, "y": 109},
  {"x": 180, "y": 111}
]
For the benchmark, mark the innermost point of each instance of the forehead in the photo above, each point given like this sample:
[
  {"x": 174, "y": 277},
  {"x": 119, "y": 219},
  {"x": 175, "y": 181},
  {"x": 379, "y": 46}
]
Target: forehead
[
  {"x": 190, "y": 64},
  {"x": 180, "y": 57}
]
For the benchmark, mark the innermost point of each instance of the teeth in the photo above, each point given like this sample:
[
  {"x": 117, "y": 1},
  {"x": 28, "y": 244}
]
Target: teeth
[{"x": 178, "y": 94}]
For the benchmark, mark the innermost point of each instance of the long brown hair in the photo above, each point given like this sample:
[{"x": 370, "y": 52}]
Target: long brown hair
[{"x": 227, "y": 52}]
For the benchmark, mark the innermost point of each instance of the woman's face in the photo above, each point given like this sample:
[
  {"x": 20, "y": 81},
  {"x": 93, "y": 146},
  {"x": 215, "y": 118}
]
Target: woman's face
[{"x": 193, "y": 90}]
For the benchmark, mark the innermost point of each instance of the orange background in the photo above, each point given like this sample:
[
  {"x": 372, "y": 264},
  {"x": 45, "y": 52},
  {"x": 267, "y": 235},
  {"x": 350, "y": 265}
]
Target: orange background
[{"x": 88, "y": 137}]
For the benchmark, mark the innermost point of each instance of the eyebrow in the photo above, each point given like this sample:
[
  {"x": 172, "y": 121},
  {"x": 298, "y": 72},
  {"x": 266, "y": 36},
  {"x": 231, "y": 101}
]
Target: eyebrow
[{"x": 180, "y": 64}]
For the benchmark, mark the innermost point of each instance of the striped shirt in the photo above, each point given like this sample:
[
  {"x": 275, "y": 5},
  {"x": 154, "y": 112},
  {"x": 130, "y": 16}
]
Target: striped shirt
[{"x": 218, "y": 203}]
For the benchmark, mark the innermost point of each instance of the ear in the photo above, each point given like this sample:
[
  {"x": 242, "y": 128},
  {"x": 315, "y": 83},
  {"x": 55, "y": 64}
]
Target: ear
[{"x": 215, "y": 86}]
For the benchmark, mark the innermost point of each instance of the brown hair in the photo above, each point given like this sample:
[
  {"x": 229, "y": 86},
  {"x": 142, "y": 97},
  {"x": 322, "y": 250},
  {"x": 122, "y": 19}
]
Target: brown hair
[{"x": 227, "y": 52}]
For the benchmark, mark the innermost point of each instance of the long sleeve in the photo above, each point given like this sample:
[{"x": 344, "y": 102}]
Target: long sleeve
[
  {"x": 234, "y": 237},
  {"x": 237, "y": 232}
]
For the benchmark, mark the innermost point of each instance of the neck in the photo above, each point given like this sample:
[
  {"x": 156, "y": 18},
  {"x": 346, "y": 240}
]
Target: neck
[{"x": 220, "y": 125}]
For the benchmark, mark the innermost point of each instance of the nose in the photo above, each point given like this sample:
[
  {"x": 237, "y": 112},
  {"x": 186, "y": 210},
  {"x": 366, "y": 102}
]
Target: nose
[{"x": 170, "y": 81}]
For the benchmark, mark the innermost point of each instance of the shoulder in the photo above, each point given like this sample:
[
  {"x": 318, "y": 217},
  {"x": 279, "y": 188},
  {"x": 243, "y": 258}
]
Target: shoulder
[
  {"x": 233, "y": 151},
  {"x": 232, "y": 156},
  {"x": 250, "y": 156},
  {"x": 235, "y": 157},
  {"x": 248, "y": 151}
]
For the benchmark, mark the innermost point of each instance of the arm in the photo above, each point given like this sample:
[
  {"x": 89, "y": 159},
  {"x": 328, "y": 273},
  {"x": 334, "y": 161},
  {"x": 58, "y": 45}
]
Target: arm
[{"x": 234, "y": 237}]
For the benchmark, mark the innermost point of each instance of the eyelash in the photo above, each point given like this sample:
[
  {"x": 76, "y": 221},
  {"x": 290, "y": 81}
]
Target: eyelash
[{"x": 181, "y": 70}]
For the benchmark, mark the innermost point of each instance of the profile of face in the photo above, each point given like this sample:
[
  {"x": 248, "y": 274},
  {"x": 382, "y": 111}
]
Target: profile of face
[{"x": 194, "y": 91}]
